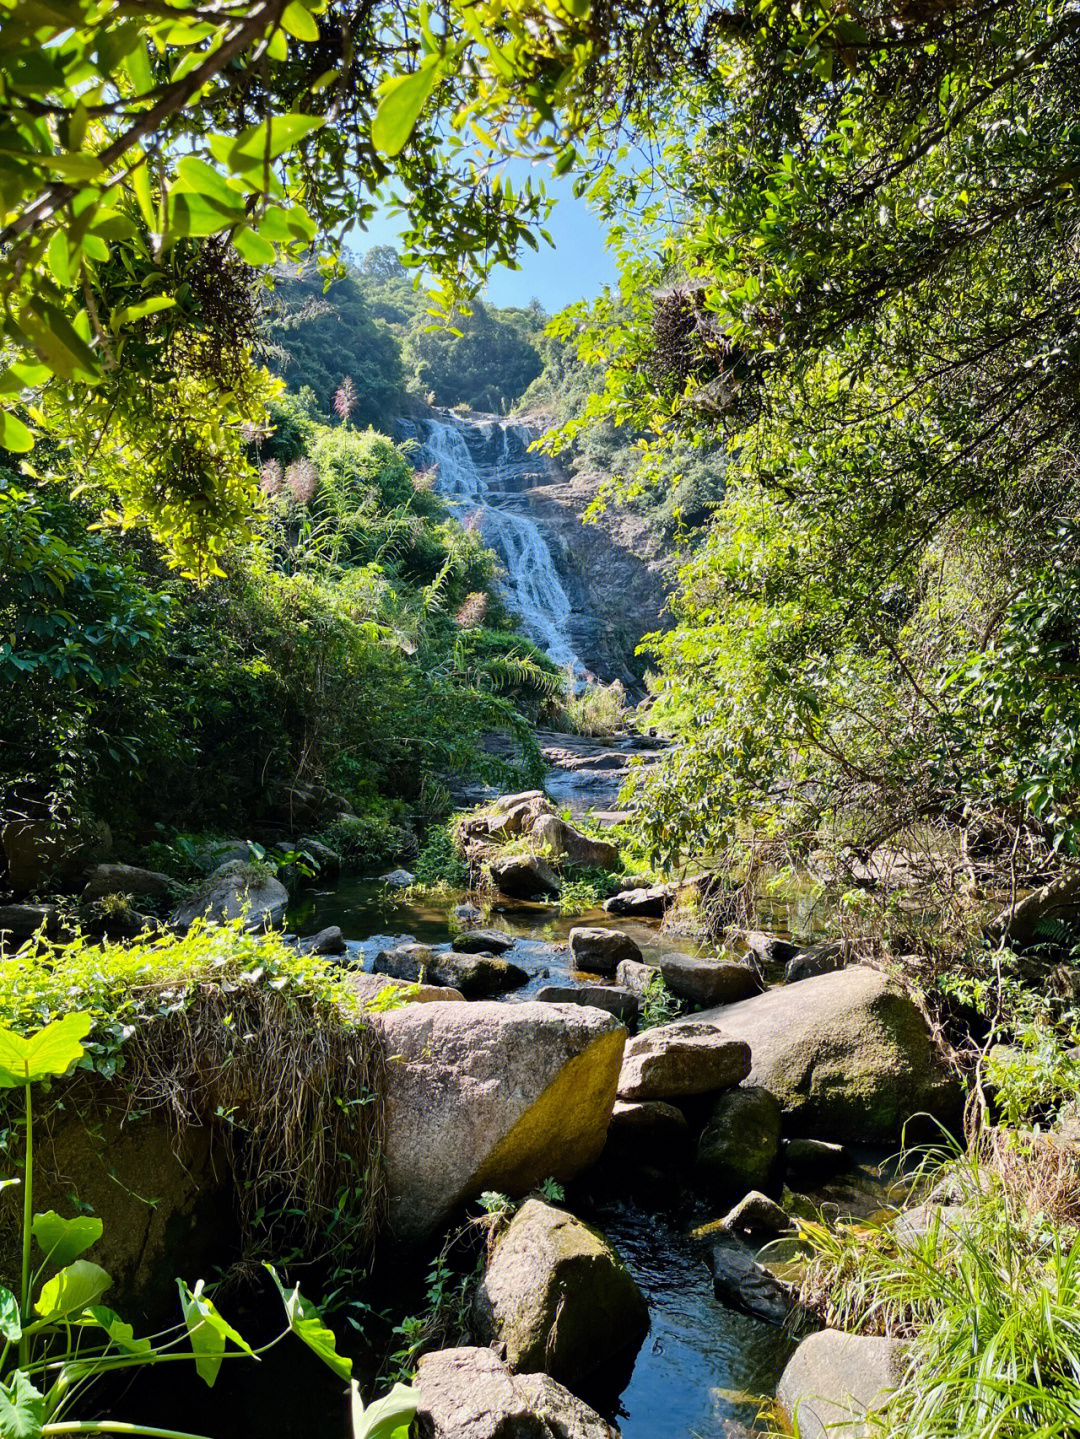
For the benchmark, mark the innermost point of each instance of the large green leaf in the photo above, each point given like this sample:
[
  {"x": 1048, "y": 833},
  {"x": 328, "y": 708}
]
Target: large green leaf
[
  {"x": 266, "y": 141},
  {"x": 62, "y": 1240},
  {"x": 120, "y": 1333},
  {"x": 52, "y": 1051},
  {"x": 388, "y": 1418},
  {"x": 10, "y": 1319},
  {"x": 14, "y": 435},
  {"x": 22, "y": 1408},
  {"x": 76, "y": 1287},
  {"x": 208, "y": 1332},
  {"x": 307, "y": 1324},
  {"x": 401, "y": 99}
]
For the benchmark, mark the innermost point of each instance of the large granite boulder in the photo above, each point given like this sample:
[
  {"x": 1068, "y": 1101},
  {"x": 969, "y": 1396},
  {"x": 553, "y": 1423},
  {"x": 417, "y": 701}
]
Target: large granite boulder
[
  {"x": 556, "y": 1298},
  {"x": 708, "y": 981},
  {"x": 565, "y": 842},
  {"x": 679, "y": 1059},
  {"x": 622, "y": 1003},
  {"x": 477, "y": 976},
  {"x": 848, "y": 1055},
  {"x": 601, "y": 951},
  {"x": 524, "y": 876},
  {"x": 371, "y": 989},
  {"x": 511, "y": 815},
  {"x": 834, "y": 1380},
  {"x": 741, "y": 1144},
  {"x": 471, "y": 1394},
  {"x": 491, "y": 1096},
  {"x": 106, "y": 879},
  {"x": 1054, "y": 905},
  {"x": 236, "y": 890}
]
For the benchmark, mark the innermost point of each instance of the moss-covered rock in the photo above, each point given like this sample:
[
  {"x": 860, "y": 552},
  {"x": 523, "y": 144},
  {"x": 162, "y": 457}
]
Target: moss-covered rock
[
  {"x": 739, "y": 1148},
  {"x": 557, "y": 1299}
]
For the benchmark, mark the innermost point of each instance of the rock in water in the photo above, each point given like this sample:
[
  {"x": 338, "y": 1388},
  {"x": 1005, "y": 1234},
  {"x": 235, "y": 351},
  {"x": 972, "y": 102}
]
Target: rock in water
[
  {"x": 681, "y": 1058},
  {"x": 739, "y": 1148},
  {"x": 566, "y": 842},
  {"x": 328, "y": 941},
  {"x": 833, "y": 1380},
  {"x": 482, "y": 941},
  {"x": 476, "y": 975},
  {"x": 471, "y": 1394},
  {"x": 622, "y": 1003},
  {"x": 767, "y": 948},
  {"x": 740, "y": 1280},
  {"x": 524, "y": 876},
  {"x": 601, "y": 951},
  {"x": 491, "y": 1096},
  {"x": 106, "y": 879},
  {"x": 371, "y": 989},
  {"x": 848, "y": 1055},
  {"x": 636, "y": 975},
  {"x": 708, "y": 981},
  {"x": 233, "y": 890},
  {"x": 398, "y": 878},
  {"x": 556, "y": 1298}
]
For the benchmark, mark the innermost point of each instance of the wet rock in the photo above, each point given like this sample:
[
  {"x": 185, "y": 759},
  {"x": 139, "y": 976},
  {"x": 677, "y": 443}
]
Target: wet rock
[
  {"x": 739, "y": 1148},
  {"x": 326, "y": 858},
  {"x": 708, "y": 981},
  {"x": 398, "y": 878},
  {"x": 491, "y": 1096},
  {"x": 848, "y": 1055},
  {"x": 566, "y": 842},
  {"x": 482, "y": 941},
  {"x": 622, "y": 1003},
  {"x": 41, "y": 850},
  {"x": 327, "y": 941},
  {"x": 812, "y": 1158},
  {"x": 824, "y": 958},
  {"x": 679, "y": 1059},
  {"x": 524, "y": 876},
  {"x": 740, "y": 1280},
  {"x": 467, "y": 914},
  {"x": 768, "y": 948},
  {"x": 758, "y": 1215},
  {"x": 233, "y": 891},
  {"x": 651, "y": 902},
  {"x": 23, "y": 921},
  {"x": 635, "y": 974},
  {"x": 556, "y": 1298},
  {"x": 601, "y": 951},
  {"x": 476, "y": 975},
  {"x": 106, "y": 879},
  {"x": 833, "y": 1380},
  {"x": 370, "y": 989},
  {"x": 472, "y": 1394}
]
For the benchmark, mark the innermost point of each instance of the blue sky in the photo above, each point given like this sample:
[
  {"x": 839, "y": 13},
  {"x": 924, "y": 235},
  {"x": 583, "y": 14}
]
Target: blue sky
[{"x": 578, "y": 267}]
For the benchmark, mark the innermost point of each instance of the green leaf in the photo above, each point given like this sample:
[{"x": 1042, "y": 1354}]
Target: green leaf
[
  {"x": 62, "y": 1240},
  {"x": 253, "y": 248},
  {"x": 266, "y": 141},
  {"x": 22, "y": 1408},
  {"x": 307, "y": 1324},
  {"x": 48, "y": 1053},
  {"x": 57, "y": 342},
  {"x": 74, "y": 1288},
  {"x": 14, "y": 435},
  {"x": 199, "y": 215},
  {"x": 299, "y": 22},
  {"x": 120, "y": 1333},
  {"x": 388, "y": 1418},
  {"x": 401, "y": 99},
  {"x": 10, "y": 1319},
  {"x": 208, "y": 1332},
  {"x": 129, "y": 313}
]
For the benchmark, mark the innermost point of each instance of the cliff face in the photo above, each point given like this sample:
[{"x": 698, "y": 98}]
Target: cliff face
[{"x": 586, "y": 592}]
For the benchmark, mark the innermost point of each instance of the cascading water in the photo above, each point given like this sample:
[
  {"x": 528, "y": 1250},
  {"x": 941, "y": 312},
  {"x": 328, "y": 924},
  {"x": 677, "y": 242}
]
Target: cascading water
[{"x": 482, "y": 466}]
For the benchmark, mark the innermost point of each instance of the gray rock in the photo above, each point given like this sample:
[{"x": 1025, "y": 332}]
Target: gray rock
[
  {"x": 739, "y": 1148},
  {"x": 524, "y": 876},
  {"x": 371, "y": 989},
  {"x": 708, "y": 981},
  {"x": 467, "y": 914},
  {"x": 398, "y": 878},
  {"x": 824, "y": 958},
  {"x": 812, "y": 1158},
  {"x": 326, "y": 858},
  {"x": 601, "y": 951},
  {"x": 768, "y": 948},
  {"x": 758, "y": 1215},
  {"x": 482, "y": 941},
  {"x": 848, "y": 1055},
  {"x": 944, "y": 1220},
  {"x": 471, "y": 1394},
  {"x": 1025, "y": 922},
  {"x": 565, "y": 842},
  {"x": 211, "y": 854},
  {"x": 740, "y": 1280},
  {"x": 233, "y": 891},
  {"x": 328, "y": 941},
  {"x": 651, "y": 902},
  {"x": 622, "y": 1003},
  {"x": 635, "y": 974},
  {"x": 680, "y": 1059},
  {"x": 833, "y": 1380},
  {"x": 648, "y": 1123},
  {"x": 491, "y": 1096},
  {"x": 106, "y": 879},
  {"x": 22, "y": 921},
  {"x": 556, "y": 1298},
  {"x": 476, "y": 975}
]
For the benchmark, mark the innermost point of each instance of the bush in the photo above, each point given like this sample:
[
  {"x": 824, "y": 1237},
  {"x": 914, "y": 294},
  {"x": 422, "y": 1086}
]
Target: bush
[{"x": 366, "y": 840}]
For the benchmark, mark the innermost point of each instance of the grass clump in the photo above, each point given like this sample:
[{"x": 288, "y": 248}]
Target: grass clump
[{"x": 597, "y": 710}]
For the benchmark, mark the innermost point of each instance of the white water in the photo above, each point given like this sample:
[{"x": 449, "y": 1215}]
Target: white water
[{"x": 481, "y": 467}]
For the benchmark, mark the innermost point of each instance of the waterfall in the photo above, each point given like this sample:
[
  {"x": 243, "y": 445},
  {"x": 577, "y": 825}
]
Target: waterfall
[{"x": 481, "y": 467}]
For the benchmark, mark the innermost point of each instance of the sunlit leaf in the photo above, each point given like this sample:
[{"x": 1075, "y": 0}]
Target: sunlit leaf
[
  {"x": 76, "y": 1287},
  {"x": 307, "y": 1324},
  {"x": 62, "y": 1240},
  {"x": 48, "y": 1053},
  {"x": 22, "y": 1408},
  {"x": 208, "y": 1332},
  {"x": 401, "y": 100}
]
